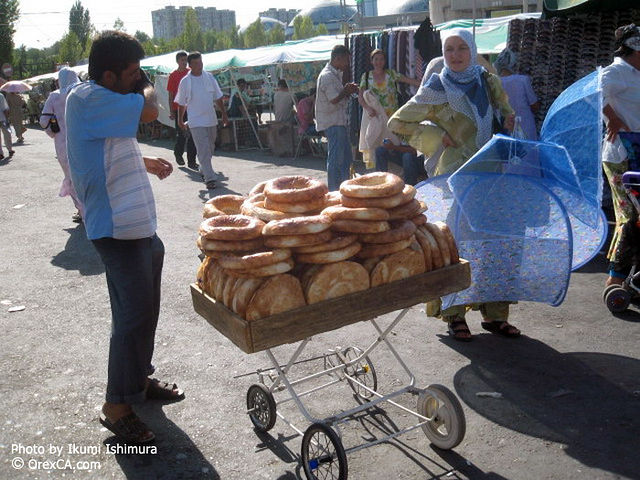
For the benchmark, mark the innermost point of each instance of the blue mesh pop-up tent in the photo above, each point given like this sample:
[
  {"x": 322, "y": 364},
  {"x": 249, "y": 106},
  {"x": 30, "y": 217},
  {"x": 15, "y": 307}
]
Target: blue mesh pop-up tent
[{"x": 526, "y": 213}]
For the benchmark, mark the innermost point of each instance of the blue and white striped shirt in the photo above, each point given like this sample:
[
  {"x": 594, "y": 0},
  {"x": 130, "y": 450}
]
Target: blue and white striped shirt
[{"x": 106, "y": 165}]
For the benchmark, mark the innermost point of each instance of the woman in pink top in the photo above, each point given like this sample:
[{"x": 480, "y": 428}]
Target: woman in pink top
[{"x": 304, "y": 113}]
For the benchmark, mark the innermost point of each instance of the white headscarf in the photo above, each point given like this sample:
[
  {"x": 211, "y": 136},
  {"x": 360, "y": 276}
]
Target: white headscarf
[
  {"x": 465, "y": 92},
  {"x": 67, "y": 78}
]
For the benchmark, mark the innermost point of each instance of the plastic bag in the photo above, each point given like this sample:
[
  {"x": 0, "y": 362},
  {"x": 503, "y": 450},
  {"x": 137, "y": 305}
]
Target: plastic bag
[{"x": 518, "y": 132}]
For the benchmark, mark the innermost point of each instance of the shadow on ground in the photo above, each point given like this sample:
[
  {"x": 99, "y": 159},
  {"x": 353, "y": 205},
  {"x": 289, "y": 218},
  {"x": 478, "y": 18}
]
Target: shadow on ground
[
  {"x": 587, "y": 401},
  {"x": 177, "y": 456},
  {"x": 78, "y": 254}
]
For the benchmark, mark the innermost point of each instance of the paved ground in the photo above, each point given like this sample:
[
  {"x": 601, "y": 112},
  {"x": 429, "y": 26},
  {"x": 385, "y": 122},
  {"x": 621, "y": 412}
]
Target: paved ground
[{"x": 570, "y": 388}]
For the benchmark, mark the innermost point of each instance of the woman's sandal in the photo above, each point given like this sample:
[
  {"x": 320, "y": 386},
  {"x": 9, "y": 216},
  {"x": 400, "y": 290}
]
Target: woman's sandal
[
  {"x": 157, "y": 390},
  {"x": 129, "y": 428},
  {"x": 503, "y": 328},
  {"x": 459, "y": 330}
]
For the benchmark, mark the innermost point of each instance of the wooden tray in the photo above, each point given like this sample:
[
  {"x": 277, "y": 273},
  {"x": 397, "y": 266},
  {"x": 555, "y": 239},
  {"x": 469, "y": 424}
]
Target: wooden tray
[{"x": 295, "y": 325}]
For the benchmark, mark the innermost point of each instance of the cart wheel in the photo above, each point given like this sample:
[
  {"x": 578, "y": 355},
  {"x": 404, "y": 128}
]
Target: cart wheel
[
  {"x": 262, "y": 407},
  {"x": 363, "y": 371},
  {"x": 323, "y": 455},
  {"x": 606, "y": 291},
  {"x": 448, "y": 426},
  {"x": 618, "y": 300}
]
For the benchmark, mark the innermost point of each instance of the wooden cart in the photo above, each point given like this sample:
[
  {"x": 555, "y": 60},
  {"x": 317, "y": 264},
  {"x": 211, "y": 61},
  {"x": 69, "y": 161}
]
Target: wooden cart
[{"x": 439, "y": 412}]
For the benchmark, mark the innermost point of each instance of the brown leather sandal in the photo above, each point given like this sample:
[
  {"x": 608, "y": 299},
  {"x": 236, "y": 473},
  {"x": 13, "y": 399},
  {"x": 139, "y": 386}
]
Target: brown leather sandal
[
  {"x": 129, "y": 428},
  {"x": 503, "y": 328},
  {"x": 157, "y": 390},
  {"x": 459, "y": 330}
]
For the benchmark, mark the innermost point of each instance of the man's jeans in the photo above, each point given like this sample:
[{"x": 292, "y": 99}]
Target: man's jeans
[
  {"x": 183, "y": 137},
  {"x": 205, "y": 140},
  {"x": 339, "y": 156},
  {"x": 134, "y": 271},
  {"x": 412, "y": 165}
]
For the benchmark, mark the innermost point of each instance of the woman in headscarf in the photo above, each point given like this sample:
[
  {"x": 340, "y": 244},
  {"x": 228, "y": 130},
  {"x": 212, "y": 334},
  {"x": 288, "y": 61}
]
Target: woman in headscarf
[
  {"x": 459, "y": 105},
  {"x": 52, "y": 115},
  {"x": 621, "y": 100},
  {"x": 520, "y": 92}
]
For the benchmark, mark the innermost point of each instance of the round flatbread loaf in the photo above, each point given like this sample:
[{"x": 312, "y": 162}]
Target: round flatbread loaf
[
  {"x": 399, "y": 265},
  {"x": 335, "y": 280},
  {"x": 424, "y": 235},
  {"x": 453, "y": 248},
  {"x": 443, "y": 244},
  {"x": 277, "y": 294},
  {"x": 245, "y": 288},
  {"x": 228, "y": 290},
  {"x": 202, "y": 277}
]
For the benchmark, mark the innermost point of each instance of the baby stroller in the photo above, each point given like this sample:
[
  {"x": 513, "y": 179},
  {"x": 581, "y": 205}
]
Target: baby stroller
[{"x": 618, "y": 297}]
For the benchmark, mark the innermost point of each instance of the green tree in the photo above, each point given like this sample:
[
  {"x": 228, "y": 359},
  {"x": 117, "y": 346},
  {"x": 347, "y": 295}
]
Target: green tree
[
  {"x": 119, "y": 25},
  {"x": 191, "y": 37},
  {"x": 254, "y": 35},
  {"x": 141, "y": 36},
  {"x": 276, "y": 35},
  {"x": 303, "y": 27},
  {"x": 80, "y": 23},
  {"x": 9, "y": 13},
  {"x": 70, "y": 49},
  {"x": 321, "y": 29}
]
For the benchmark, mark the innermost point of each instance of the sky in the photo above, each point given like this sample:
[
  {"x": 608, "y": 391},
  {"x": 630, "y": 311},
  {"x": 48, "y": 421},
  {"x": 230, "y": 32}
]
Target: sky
[{"x": 43, "y": 22}]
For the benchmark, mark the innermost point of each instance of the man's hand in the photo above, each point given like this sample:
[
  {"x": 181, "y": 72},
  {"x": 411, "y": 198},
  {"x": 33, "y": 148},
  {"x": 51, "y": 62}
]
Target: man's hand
[
  {"x": 172, "y": 115},
  {"x": 447, "y": 141},
  {"x": 158, "y": 167},
  {"x": 509, "y": 122},
  {"x": 372, "y": 112},
  {"x": 351, "y": 88},
  {"x": 225, "y": 119},
  {"x": 182, "y": 125},
  {"x": 614, "y": 126}
]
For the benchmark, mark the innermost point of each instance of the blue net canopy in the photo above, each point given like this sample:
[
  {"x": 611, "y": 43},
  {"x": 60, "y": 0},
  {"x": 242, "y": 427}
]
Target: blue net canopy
[{"x": 526, "y": 213}]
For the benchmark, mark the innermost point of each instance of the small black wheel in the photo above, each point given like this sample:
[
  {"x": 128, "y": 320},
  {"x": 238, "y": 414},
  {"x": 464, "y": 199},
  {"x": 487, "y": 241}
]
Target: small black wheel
[
  {"x": 448, "y": 425},
  {"x": 606, "y": 290},
  {"x": 261, "y": 407},
  {"x": 618, "y": 300},
  {"x": 363, "y": 371},
  {"x": 323, "y": 456}
]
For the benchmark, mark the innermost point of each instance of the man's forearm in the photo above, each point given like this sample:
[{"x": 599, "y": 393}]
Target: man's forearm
[{"x": 150, "y": 107}]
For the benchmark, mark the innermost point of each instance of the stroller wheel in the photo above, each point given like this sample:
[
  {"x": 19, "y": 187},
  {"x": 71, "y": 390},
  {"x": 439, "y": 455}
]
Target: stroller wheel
[
  {"x": 606, "y": 291},
  {"x": 618, "y": 299}
]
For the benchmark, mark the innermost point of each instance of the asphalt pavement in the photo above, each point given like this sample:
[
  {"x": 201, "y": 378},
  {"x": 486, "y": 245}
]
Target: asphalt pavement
[{"x": 563, "y": 400}]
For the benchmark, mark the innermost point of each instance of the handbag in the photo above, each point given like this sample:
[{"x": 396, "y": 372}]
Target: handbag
[{"x": 53, "y": 122}]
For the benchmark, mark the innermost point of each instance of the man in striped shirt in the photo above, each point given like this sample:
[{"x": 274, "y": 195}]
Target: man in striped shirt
[{"x": 110, "y": 176}]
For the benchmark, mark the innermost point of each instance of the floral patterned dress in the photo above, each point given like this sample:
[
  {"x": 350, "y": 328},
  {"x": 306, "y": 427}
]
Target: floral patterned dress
[{"x": 387, "y": 91}]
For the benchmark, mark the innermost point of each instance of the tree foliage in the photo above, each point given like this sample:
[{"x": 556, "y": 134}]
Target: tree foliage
[
  {"x": 303, "y": 28},
  {"x": 119, "y": 25},
  {"x": 191, "y": 38},
  {"x": 142, "y": 37},
  {"x": 70, "y": 49},
  {"x": 80, "y": 22},
  {"x": 9, "y": 13},
  {"x": 254, "y": 35},
  {"x": 276, "y": 35}
]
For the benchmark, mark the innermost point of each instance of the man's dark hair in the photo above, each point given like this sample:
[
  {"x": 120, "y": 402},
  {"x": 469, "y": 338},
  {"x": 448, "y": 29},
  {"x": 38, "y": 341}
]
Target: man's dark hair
[
  {"x": 282, "y": 83},
  {"x": 241, "y": 81},
  {"x": 193, "y": 56},
  {"x": 339, "y": 51},
  {"x": 113, "y": 51},
  {"x": 181, "y": 54}
]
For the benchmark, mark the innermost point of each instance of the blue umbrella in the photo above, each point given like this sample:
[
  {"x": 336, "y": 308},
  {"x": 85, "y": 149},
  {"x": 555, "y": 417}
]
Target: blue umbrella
[{"x": 526, "y": 213}]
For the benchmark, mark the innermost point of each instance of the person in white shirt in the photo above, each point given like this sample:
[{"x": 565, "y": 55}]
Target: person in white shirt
[
  {"x": 331, "y": 115},
  {"x": 283, "y": 103},
  {"x": 197, "y": 92},
  {"x": 4, "y": 127},
  {"x": 621, "y": 100}
]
